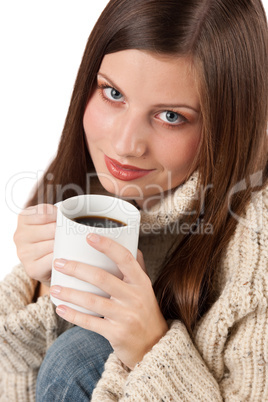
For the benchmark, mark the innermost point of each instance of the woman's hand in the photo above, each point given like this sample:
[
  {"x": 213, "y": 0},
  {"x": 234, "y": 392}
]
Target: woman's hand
[
  {"x": 133, "y": 322},
  {"x": 34, "y": 239}
]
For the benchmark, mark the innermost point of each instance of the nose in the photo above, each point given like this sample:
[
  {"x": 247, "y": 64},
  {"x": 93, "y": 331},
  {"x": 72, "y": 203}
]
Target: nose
[{"x": 130, "y": 139}]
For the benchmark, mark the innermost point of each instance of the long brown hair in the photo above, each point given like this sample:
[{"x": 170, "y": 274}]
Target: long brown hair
[{"x": 227, "y": 42}]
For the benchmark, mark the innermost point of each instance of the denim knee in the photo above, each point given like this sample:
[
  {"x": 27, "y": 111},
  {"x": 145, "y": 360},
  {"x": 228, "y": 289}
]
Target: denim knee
[{"x": 72, "y": 366}]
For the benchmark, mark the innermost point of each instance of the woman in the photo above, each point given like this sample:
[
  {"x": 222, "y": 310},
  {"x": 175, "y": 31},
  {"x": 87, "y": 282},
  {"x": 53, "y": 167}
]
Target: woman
[{"x": 169, "y": 109}]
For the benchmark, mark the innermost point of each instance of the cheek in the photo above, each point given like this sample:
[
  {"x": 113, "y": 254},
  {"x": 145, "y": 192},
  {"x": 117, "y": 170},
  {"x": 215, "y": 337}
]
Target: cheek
[
  {"x": 90, "y": 121},
  {"x": 96, "y": 121},
  {"x": 179, "y": 154}
]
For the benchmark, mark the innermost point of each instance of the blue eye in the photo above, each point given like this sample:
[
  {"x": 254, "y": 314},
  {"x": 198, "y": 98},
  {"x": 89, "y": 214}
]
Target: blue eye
[
  {"x": 171, "y": 117},
  {"x": 112, "y": 94}
]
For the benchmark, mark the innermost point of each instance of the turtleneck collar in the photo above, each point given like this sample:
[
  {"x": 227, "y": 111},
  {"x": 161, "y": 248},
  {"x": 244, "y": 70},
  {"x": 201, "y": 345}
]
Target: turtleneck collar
[{"x": 172, "y": 207}]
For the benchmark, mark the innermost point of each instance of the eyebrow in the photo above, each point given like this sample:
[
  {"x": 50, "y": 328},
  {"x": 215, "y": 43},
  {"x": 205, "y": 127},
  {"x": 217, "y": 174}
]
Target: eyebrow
[
  {"x": 160, "y": 105},
  {"x": 111, "y": 82}
]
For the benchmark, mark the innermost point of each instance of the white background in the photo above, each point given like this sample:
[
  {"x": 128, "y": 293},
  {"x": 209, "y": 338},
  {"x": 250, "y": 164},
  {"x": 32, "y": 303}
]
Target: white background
[{"x": 41, "y": 45}]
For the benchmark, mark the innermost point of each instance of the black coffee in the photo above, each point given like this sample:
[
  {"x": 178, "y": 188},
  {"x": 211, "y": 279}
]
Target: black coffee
[{"x": 99, "y": 221}]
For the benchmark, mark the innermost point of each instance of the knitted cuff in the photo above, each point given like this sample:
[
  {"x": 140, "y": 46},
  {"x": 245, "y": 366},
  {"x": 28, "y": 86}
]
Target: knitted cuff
[
  {"x": 174, "y": 369},
  {"x": 26, "y": 334},
  {"x": 16, "y": 290},
  {"x": 111, "y": 385}
]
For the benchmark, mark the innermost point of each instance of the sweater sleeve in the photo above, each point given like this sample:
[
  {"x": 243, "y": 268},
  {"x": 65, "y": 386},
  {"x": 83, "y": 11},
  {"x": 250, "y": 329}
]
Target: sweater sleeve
[
  {"x": 175, "y": 371},
  {"x": 172, "y": 370},
  {"x": 230, "y": 360},
  {"x": 26, "y": 331}
]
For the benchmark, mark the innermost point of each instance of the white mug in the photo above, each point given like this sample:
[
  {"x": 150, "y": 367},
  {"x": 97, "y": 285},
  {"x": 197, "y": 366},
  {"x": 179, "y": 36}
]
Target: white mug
[{"x": 70, "y": 238}]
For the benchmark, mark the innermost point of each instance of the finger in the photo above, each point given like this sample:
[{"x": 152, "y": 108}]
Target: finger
[
  {"x": 44, "y": 232},
  {"x": 100, "y": 305},
  {"x": 122, "y": 257},
  {"x": 41, "y": 269},
  {"x": 41, "y": 249},
  {"x": 37, "y": 234},
  {"x": 39, "y": 214},
  {"x": 32, "y": 252},
  {"x": 87, "y": 321},
  {"x": 95, "y": 276}
]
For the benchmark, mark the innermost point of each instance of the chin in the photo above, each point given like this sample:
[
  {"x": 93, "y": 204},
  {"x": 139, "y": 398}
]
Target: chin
[{"x": 122, "y": 190}]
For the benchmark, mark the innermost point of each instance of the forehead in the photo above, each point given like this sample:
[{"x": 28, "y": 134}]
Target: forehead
[{"x": 143, "y": 72}]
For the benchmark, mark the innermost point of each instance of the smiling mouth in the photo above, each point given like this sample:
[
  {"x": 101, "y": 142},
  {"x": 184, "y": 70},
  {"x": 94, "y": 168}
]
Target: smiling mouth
[{"x": 124, "y": 172}]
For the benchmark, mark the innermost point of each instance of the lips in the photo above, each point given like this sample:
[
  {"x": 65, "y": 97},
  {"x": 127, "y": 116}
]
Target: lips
[{"x": 125, "y": 172}]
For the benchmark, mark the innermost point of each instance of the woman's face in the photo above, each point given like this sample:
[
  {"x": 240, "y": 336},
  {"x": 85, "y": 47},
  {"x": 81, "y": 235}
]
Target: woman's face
[{"x": 142, "y": 124}]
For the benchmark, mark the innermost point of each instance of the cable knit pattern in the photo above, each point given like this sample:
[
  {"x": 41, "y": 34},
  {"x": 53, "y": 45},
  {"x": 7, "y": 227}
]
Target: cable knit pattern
[
  {"x": 26, "y": 332},
  {"x": 229, "y": 357},
  {"x": 226, "y": 360},
  {"x": 173, "y": 207},
  {"x": 18, "y": 289},
  {"x": 166, "y": 373}
]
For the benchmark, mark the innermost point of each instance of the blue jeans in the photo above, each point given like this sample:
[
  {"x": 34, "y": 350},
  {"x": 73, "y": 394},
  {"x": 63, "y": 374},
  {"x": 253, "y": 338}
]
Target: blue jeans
[{"x": 72, "y": 366}]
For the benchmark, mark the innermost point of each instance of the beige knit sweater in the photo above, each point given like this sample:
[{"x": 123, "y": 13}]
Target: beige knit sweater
[{"x": 228, "y": 358}]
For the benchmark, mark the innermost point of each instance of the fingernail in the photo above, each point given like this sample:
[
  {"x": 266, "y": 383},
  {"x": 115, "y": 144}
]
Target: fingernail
[
  {"x": 61, "y": 310},
  {"x": 60, "y": 263},
  {"x": 55, "y": 290},
  {"x": 93, "y": 238}
]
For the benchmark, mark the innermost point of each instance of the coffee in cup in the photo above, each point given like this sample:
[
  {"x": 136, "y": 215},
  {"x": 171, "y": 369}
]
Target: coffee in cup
[{"x": 98, "y": 221}]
